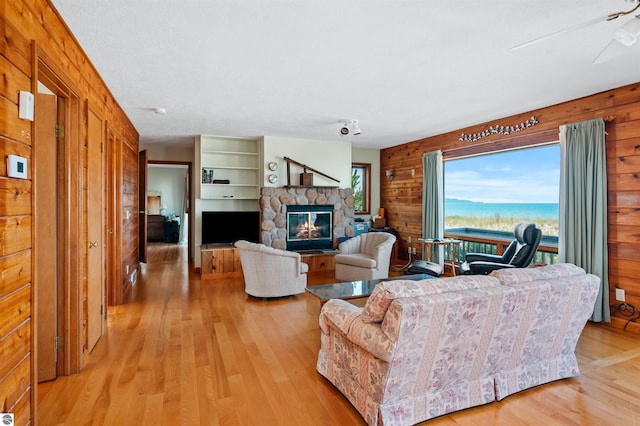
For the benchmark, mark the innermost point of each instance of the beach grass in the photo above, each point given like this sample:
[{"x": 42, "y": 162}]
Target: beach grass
[{"x": 501, "y": 223}]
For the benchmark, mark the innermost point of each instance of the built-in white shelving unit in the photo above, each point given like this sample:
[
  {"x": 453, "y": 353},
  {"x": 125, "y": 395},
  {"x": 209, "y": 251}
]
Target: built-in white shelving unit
[
  {"x": 229, "y": 168},
  {"x": 228, "y": 178}
]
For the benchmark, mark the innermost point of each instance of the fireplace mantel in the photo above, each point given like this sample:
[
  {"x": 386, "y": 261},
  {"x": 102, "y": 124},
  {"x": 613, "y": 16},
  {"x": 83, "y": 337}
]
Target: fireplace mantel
[{"x": 274, "y": 202}]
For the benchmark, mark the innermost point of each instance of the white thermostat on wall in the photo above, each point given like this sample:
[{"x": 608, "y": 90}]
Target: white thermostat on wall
[
  {"x": 16, "y": 167},
  {"x": 25, "y": 109}
]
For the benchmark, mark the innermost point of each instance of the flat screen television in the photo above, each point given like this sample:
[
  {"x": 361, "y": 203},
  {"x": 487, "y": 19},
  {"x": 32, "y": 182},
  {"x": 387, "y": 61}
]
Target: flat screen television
[{"x": 228, "y": 227}]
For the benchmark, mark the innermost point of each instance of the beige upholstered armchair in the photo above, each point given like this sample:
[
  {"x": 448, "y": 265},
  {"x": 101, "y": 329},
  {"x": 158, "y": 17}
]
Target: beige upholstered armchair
[
  {"x": 364, "y": 257},
  {"x": 270, "y": 272}
]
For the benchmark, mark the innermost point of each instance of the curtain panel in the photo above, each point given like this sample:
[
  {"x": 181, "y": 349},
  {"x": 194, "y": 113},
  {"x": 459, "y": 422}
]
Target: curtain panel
[
  {"x": 583, "y": 204},
  {"x": 433, "y": 202}
]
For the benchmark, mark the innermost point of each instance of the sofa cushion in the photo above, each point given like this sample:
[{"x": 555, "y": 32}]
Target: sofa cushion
[
  {"x": 522, "y": 275},
  {"x": 356, "y": 259},
  {"x": 382, "y": 295}
]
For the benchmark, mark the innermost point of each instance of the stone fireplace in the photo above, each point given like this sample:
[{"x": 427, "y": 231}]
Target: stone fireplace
[
  {"x": 274, "y": 203},
  {"x": 309, "y": 227}
]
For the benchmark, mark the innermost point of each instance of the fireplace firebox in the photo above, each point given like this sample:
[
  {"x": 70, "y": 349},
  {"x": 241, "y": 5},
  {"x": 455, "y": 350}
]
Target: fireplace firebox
[{"x": 309, "y": 227}]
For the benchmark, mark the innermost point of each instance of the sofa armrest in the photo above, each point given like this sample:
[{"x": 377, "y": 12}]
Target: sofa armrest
[
  {"x": 347, "y": 320},
  {"x": 338, "y": 313},
  {"x": 372, "y": 338},
  {"x": 382, "y": 251},
  {"x": 285, "y": 257}
]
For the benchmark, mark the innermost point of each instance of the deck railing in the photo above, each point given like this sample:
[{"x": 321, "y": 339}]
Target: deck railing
[{"x": 495, "y": 242}]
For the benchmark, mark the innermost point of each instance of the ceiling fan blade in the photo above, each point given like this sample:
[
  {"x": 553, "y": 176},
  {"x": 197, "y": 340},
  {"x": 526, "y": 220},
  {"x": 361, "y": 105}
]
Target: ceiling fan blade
[
  {"x": 610, "y": 51},
  {"x": 564, "y": 31}
]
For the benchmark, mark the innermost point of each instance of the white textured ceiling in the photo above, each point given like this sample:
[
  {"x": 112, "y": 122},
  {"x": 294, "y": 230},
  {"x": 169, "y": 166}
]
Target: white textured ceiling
[{"x": 405, "y": 69}]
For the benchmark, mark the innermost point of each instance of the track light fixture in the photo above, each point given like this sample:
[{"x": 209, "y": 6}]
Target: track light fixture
[
  {"x": 355, "y": 128},
  {"x": 350, "y": 126}
]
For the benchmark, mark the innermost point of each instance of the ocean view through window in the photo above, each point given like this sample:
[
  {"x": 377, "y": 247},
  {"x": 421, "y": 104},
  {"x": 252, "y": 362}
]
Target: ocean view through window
[{"x": 496, "y": 191}]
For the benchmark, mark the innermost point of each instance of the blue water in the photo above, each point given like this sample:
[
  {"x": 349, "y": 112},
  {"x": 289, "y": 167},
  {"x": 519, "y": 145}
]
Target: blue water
[{"x": 453, "y": 207}]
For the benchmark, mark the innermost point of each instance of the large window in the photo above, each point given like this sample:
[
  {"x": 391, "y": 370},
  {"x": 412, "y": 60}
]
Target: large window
[
  {"x": 361, "y": 184},
  {"x": 496, "y": 191}
]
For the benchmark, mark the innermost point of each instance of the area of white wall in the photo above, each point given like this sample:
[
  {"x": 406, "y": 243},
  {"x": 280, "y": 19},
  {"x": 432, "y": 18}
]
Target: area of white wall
[
  {"x": 332, "y": 158},
  {"x": 168, "y": 153},
  {"x": 169, "y": 182},
  {"x": 370, "y": 156}
]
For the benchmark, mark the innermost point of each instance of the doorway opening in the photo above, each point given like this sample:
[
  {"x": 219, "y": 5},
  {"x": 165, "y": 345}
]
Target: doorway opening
[{"x": 168, "y": 196}]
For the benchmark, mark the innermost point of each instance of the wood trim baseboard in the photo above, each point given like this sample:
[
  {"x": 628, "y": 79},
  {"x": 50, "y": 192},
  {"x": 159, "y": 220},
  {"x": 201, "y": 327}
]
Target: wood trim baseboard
[{"x": 625, "y": 324}]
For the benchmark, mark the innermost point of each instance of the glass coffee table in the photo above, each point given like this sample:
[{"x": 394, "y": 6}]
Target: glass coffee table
[{"x": 356, "y": 289}]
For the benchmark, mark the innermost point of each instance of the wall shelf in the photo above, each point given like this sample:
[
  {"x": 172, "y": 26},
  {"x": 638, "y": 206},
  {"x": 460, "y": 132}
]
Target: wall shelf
[
  {"x": 218, "y": 152},
  {"x": 229, "y": 168}
]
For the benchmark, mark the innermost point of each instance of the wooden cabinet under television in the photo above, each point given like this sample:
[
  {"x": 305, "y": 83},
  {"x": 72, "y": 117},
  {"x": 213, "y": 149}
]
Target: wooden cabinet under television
[{"x": 219, "y": 261}]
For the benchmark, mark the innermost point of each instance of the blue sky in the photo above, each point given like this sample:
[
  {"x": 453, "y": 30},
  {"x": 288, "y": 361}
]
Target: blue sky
[{"x": 521, "y": 176}]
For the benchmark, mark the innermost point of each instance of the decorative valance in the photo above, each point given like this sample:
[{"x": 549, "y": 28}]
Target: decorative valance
[{"x": 503, "y": 130}]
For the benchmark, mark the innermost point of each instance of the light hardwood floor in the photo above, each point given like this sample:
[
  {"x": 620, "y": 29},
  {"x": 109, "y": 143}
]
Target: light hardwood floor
[{"x": 182, "y": 351}]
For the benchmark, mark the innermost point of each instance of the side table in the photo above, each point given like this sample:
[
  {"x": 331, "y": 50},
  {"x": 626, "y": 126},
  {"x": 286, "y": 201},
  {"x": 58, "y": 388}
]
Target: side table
[{"x": 450, "y": 242}]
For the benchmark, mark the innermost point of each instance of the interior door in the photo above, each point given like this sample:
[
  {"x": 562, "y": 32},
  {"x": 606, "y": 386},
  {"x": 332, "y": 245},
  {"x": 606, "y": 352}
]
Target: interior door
[
  {"x": 95, "y": 226},
  {"x": 46, "y": 231},
  {"x": 143, "y": 160}
]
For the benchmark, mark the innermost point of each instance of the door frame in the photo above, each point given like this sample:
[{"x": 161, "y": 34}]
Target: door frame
[
  {"x": 70, "y": 214},
  {"x": 143, "y": 164},
  {"x": 189, "y": 194}
]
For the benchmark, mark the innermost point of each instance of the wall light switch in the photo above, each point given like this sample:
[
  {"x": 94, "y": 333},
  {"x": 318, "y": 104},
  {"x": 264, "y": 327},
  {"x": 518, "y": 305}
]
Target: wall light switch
[
  {"x": 16, "y": 167},
  {"x": 620, "y": 295},
  {"x": 26, "y": 102}
]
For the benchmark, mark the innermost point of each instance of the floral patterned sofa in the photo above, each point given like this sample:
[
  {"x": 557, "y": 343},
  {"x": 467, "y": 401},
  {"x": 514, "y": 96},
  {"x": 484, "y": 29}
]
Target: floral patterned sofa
[{"x": 421, "y": 349}]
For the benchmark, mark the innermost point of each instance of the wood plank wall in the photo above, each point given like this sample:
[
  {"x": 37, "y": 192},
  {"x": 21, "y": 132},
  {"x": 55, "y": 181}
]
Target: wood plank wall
[
  {"x": 129, "y": 210},
  {"x": 23, "y": 24},
  {"x": 402, "y": 197}
]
